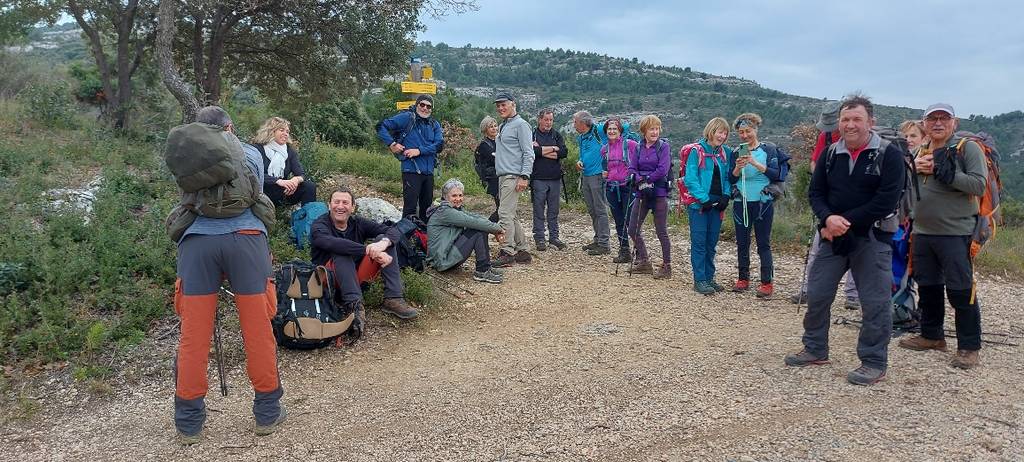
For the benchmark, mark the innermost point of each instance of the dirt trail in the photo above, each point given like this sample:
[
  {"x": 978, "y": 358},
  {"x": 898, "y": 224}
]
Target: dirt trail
[{"x": 568, "y": 361}]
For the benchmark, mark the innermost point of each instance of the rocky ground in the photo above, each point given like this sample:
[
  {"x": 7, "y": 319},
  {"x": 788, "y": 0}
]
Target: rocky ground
[{"x": 568, "y": 360}]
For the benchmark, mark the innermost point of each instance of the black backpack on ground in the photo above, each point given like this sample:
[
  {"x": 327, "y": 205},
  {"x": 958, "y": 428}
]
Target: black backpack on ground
[
  {"x": 412, "y": 248},
  {"x": 307, "y": 315}
]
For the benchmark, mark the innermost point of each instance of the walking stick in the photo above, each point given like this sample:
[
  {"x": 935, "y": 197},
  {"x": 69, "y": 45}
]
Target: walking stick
[
  {"x": 218, "y": 351},
  {"x": 801, "y": 294}
]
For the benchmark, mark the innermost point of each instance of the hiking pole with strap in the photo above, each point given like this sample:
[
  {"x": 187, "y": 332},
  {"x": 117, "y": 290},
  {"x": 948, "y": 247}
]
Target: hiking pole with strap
[
  {"x": 801, "y": 294},
  {"x": 218, "y": 351}
]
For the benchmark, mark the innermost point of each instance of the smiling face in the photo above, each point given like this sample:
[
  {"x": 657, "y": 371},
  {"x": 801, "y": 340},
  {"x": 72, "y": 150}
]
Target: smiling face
[
  {"x": 491, "y": 131},
  {"x": 424, "y": 109},
  {"x": 506, "y": 108},
  {"x": 456, "y": 197},
  {"x": 719, "y": 138},
  {"x": 341, "y": 208},
  {"x": 940, "y": 126},
  {"x": 747, "y": 134},
  {"x": 612, "y": 130},
  {"x": 282, "y": 135},
  {"x": 855, "y": 125}
]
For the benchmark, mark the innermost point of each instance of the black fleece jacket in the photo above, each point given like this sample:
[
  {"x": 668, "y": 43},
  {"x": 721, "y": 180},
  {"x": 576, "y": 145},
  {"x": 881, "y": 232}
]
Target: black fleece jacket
[
  {"x": 862, "y": 196},
  {"x": 544, "y": 168},
  {"x": 328, "y": 241}
]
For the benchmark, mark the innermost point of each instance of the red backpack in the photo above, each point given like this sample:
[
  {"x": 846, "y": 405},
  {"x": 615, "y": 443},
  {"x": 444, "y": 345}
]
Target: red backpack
[{"x": 685, "y": 198}]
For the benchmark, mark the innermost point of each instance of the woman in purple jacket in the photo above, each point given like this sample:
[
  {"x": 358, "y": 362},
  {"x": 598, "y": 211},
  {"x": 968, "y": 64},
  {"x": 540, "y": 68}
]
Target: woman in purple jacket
[
  {"x": 649, "y": 171},
  {"x": 616, "y": 155}
]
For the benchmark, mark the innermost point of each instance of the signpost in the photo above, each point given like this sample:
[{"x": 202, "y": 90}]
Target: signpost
[{"x": 415, "y": 83}]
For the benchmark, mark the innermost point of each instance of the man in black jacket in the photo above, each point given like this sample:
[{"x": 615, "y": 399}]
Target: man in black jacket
[
  {"x": 854, "y": 192},
  {"x": 546, "y": 183},
  {"x": 338, "y": 239}
]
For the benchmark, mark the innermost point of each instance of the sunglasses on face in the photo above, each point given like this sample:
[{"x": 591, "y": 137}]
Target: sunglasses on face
[{"x": 426, "y": 106}]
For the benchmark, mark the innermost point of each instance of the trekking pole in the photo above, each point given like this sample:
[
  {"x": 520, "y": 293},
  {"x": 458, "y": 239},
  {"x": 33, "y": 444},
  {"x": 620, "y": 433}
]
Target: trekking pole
[
  {"x": 801, "y": 294},
  {"x": 218, "y": 351}
]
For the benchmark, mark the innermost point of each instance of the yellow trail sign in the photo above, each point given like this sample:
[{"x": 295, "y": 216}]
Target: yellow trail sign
[
  {"x": 419, "y": 87},
  {"x": 403, "y": 105}
]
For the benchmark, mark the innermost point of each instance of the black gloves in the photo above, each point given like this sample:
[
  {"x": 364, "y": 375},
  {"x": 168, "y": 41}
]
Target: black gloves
[
  {"x": 723, "y": 203},
  {"x": 719, "y": 203},
  {"x": 945, "y": 165}
]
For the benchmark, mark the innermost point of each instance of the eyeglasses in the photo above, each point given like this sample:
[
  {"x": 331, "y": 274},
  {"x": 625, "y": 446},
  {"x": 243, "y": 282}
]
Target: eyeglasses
[
  {"x": 426, "y": 106},
  {"x": 938, "y": 118}
]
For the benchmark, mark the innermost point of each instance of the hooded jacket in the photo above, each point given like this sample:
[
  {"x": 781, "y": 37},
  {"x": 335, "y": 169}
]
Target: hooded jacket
[{"x": 424, "y": 135}]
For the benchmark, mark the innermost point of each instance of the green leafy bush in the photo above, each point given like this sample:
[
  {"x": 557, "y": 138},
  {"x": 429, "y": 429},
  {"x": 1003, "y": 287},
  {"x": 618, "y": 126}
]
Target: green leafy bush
[
  {"x": 341, "y": 123},
  {"x": 49, "y": 103}
]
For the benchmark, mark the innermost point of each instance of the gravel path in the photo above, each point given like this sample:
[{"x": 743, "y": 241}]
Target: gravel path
[{"x": 568, "y": 361}]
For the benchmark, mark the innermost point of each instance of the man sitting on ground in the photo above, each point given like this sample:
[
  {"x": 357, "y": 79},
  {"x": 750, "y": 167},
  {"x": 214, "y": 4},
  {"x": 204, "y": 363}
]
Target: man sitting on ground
[
  {"x": 453, "y": 233},
  {"x": 338, "y": 239}
]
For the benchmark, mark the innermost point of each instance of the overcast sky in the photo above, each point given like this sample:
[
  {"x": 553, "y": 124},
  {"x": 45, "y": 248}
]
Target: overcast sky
[{"x": 903, "y": 53}]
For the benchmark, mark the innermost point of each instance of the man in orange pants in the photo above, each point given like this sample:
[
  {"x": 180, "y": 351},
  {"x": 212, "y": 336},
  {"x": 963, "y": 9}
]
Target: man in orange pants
[{"x": 210, "y": 250}]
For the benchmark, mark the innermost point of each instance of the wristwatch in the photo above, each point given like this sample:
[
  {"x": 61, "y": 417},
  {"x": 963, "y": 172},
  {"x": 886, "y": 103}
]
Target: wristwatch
[{"x": 525, "y": 177}]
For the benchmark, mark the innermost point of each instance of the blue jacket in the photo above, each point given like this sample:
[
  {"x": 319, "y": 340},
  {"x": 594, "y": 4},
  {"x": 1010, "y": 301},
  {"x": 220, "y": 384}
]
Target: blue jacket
[
  {"x": 590, "y": 152},
  {"x": 425, "y": 135},
  {"x": 698, "y": 179}
]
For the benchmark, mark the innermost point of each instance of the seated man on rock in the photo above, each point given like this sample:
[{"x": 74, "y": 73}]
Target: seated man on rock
[
  {"x": 453, "y": 234},
  {"x": 338, "y": 239}
]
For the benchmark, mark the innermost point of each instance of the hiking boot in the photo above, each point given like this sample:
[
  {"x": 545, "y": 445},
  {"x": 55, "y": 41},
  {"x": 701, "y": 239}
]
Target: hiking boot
[
  {"x": 523, "y": 256},
  {"x": 188, "y": 440},
  {"x": 741, "y": 285},
  {"x": 264, "y": 430},
  {"x": 599, "y": 250},
  {"x": 399, "y": 308},
  {"x": 664, "y": 271},
  {"x": 623, "y": 256},
  {"x": 919, "y": 343},
  {"x": 641, "y": 267},
  {"x": 504, "y": 259},
  {"x": 704, "y": 287},
  {"x": 541, "y": 246},
  {"x": 852, "y": 303},
  {"x": 865, "y": 375},
  {"x": 589, "y": 246},
  {"x": 488, "y": 276},
  {"x": 718, "y": 287},
  {"x": 798, "y": 298},
  {"x": 803, "y": 358},
  {"x": 966, "y": 359},
  {"x": 557, "y": 244},
  {"x": 765, "y": 290}
]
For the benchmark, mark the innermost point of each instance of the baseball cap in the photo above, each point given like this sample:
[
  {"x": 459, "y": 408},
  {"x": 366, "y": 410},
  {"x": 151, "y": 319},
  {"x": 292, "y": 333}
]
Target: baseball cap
[
  {"x": 939, "y": 107},
  {"x": 503, "y": 97}
]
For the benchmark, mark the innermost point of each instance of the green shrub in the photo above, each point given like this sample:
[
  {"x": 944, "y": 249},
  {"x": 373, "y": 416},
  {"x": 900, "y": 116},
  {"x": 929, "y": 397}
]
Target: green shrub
[
  {"x": 341, "y": 123},
  {"x": 49, "y": 103}
]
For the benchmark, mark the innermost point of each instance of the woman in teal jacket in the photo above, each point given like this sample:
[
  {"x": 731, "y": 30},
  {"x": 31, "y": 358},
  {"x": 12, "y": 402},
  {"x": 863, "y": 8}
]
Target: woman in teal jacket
[
  {"x": 707, "y": 179},
  {"x": 453, "y": 234}
]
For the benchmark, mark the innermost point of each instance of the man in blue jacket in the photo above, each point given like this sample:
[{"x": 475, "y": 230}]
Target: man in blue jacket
[
  {"x": 415, "y": 138},
  {"x": 592, "y": 168}
]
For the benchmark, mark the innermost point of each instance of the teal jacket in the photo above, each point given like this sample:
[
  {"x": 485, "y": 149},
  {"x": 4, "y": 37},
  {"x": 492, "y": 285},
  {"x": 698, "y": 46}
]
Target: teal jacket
[
  {"x": 444, "y": 225},
  {"x": 698, "y": 178}
]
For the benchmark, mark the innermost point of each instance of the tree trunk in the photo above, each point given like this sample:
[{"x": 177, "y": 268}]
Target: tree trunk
[{"x": 168, "y": 71}]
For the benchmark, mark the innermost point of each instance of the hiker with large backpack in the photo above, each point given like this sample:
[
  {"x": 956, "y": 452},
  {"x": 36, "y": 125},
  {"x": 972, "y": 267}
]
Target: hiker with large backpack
[
  {"x": 753, "y": 169},
  {"x": 828, "y": 126},
  {"x": 284, "y": 179},
  {"x": 211, "y": 249},
  {"x": 854, "y": 194},
  {"x": 415, "y": 139},
  {"x": 453, "y": 234},
  {"x": 483, "y": 161},
  {"x": 546, "y": 182},
  {"x": 704, "y": 189},
  {"x": 338, "y": 241},
  {"x": 616, "y": 155},
  {"x": 592, "y": 180},
  {"x": 958, "y": 182},
  {"x": 651, "y": 176}
]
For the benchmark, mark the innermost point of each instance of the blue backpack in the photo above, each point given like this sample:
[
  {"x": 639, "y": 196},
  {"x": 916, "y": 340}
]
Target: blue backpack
[{"x": 302, "y": 220}]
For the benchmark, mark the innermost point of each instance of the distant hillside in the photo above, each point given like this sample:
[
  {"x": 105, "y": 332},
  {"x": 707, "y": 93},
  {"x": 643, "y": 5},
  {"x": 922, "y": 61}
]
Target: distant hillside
[{"x": 685, "y": 99}]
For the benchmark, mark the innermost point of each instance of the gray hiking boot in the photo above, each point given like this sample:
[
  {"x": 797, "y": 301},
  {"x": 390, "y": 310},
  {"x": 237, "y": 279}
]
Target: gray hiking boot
[
  {"x": 398, "y": 307},
  {"x": 865, "y": 375},
  {"x": 592, "y": 245},
  {"x": 798, "y": 298},
  {"x": 488, "y": 276},
  {"x": 623, "y": 256},
  {"x": 641, "y": 267},
  {"x": 264, "y": 430},
  {"x": 599, "y": 250},
  {"x": 188, "y": 440},
  {"x": 704, "y": 287},
  {"x": 803, "y": 358},
  {"x": 852, "y": 303},
  {"x": 557, "y": 244},
  {"x": 718, "y": 287},
  {"x": 664, "y": 271},
  {"x": 540, "y": 245}
]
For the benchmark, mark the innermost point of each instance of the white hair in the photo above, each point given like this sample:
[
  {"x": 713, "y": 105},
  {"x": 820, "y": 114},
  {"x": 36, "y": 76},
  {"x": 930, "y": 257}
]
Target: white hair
[{"x": 450, "y": 186}]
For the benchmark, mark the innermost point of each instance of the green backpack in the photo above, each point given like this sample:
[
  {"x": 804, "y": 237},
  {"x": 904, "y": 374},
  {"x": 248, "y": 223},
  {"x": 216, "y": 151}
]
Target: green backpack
[{"x": 208, "y": 165}]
